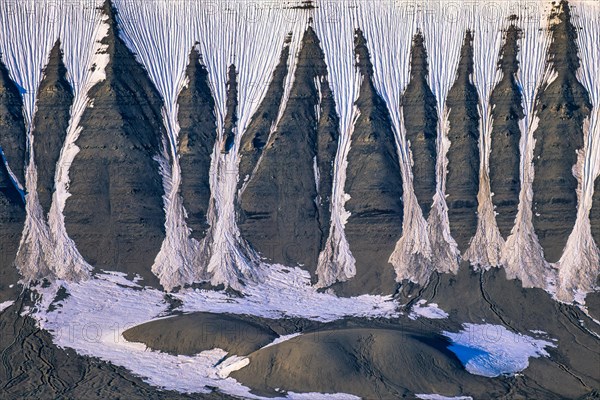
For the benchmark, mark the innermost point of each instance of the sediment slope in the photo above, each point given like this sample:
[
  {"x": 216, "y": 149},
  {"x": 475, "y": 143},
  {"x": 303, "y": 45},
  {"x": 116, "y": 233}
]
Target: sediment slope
[
  {"x": 421, "y": 119},
  {"x": 374, "y": 183},
  {"x": 197, "y": 138},
  {"x": 51, "y": 122},
  {"x": 115, "y": 214},
  {"x": 280, "y": 209},
  {"x": 462, "y": 182},
  {"x": 562, "y": 107},
  {"x": 505, "y": 155}
]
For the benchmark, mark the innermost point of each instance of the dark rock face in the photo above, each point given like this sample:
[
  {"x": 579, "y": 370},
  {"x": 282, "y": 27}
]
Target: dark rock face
[
  {"x": 13, "y": 139},
  {"x": 595, "y": 212},
  {"x": 562, "y": 107},
  {"x": 282, "y": 213},
  {"x": 115, "y": 214},
  {"x": 230, "y": 122},
  {"x": 374, "y": 183},
  {"x": 462, "y": 182},
  {"x": 51, "y": 121},
  {"x": 506, "y": 101},
  {"x": 12, "y": 220},
  {"x": 12, "y": 206},
  {"x": 196, "y": 142},
  {"x": 420, "y": 119},
  {"x": 257, "y": 133}
]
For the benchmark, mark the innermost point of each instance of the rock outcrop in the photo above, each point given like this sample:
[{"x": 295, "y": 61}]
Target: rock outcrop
[
  {"x": 197, "y": 138},
  {"x": 374, "y": 183},
  {"x": 13, "y": 134},
  {"x": 282, "y": 206},
  {"x": 562, "y": 107},
  {"x": 231, "y": 105},
  {"x": 50, "y": 124},
  {"x": 505, "y": 157},
  {"x": 595, "y": 213},
  {"x": 259, "y": 129},
  {"x": 421, "y": 119},
  {"x": 462, "y": 181},
  {"x": 12, "y": 206},
  {"x": 115, "y": 213}
]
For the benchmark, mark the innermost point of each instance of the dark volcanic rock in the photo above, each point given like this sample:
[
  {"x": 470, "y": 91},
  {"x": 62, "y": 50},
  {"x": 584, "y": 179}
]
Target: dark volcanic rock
[
  {"x": 506, "y": 101},
  {"x": 281, "y": 210},
  {"x": 462, "y": 182},
  {"x": 32, "y": 367},
  {"x": 258, "y": 131},
  {"x": 230, "y": 122},
  {"x": 50, "y": 123},
  {"x": 193, "y": 333},
  {"x": 374, "y": 182},
  {"x": 115, "y": 214},
  {"x": 12, "y": 219},
  {"x": 13, "y": 140},
  {"x": 196, "y": 142},
  {"x": 420, "y": 119},
  {"x": 562, "y": 107}
]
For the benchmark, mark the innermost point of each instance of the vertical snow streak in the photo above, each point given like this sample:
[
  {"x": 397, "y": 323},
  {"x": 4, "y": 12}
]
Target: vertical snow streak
[
  {"x": 29, "y": 30},
  {"x": 248, "y": 35},
  {"x": 161, "y": 40},
  {"x": 579, "y": 265},
  {"x": 443, "y": 26},
  {"x": 522, "y": 255},
  {"x": 334, "y": 25},
  {"x": 486, "y": 245},
  {"x": 390, "y": 54},
  {"x": 81, "y": 31}
]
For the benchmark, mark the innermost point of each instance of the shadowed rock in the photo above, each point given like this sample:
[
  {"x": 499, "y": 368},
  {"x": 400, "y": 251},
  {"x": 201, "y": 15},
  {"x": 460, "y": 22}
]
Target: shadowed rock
[
  {"x": 115, "y": 214},
  {"x": 595, "y": 213},
  {"x": 257, "y": 133},
  {"x": 231, "y": 117},
  {"x": 462, "y": 182},
  {"x": 562, "y": 107},
  {"x": 374, "y": 183},
  {"x": 13, "y": 140},
  {"x": 420, "y": 119},
  {"x": 507, "y": 111},
  {"x": 51, "y": 121},
  {"x": 282, "y": 208},
  {"x": 12, "y": 220},
  {"x": 196, "y": 142}
]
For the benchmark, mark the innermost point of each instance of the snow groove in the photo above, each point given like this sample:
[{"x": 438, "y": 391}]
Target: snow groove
[
  {"x": 579, "y": 265},
  {"x": 522, "y": 255}
]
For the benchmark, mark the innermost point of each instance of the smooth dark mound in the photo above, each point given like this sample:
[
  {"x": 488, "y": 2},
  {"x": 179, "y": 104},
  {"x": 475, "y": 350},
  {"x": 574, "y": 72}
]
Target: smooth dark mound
[
  {"x": 562, "y": 107},
  {"x": 193, "y": 333},
  {"x": 462, "y": 182}
]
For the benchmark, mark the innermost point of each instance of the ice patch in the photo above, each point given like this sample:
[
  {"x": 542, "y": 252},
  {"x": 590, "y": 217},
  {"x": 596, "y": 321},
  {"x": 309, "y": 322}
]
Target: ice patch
[
  {"x": 492, "y": 350},
  {"x": 440, "y": 397},
  {"x": 431, "y": 311},
  {"x": 282, "y": 339},
  {"x": 5, "y": 304}
]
